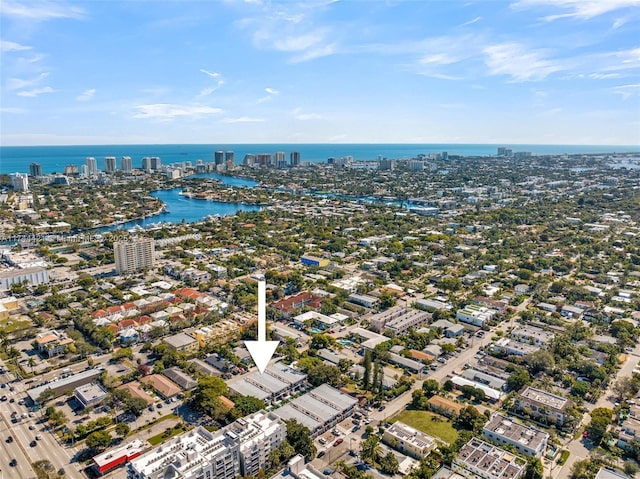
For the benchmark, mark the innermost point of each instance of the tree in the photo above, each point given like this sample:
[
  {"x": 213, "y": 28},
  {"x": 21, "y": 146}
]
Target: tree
[
  {"x": 370, "y": 449},
  {"x": 325, "y": 374},
  {"x": 580, "y": 388},
  {"x": 245, "y": 405},
  {"x": 538, "y": 361},
  {"x": 448, "y": 385},
  {"x": 121, "y": 354},
  {"x": 518, "y": 379},
  {"x": 299, "y": 437},
  {"x": 470, "y": 419},
  {"x": 389, "y": 464},
  {"x": 534, "y": 469},
  {"x": 122, "y": 429},
  {"x": 430, "y": 387},
  {"x": 600, "y": 421},
  {"x": 367, "y": 370},
  {"x": 626, "y": 387},
  {"x": 98, "y": 440},
  {"x": 387, "y": 300},
  {"x": 630, "y": 468},
  {"x": 206, "y": 396}
]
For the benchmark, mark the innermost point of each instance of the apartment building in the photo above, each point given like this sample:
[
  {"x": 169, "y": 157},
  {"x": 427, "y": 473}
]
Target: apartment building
[
  {"x": 241, "y": 448},
  {"x": 408, "y": 440},
  {"x": 542, "y": 405},
  {"x": 480, "y": 460},
  {"x": 134, "y": 255},
  {"x": 526, "y": 439}
]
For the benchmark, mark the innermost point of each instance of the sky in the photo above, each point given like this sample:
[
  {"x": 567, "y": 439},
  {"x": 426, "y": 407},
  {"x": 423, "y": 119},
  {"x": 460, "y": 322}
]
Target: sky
[{"x": 257, "y": 71}]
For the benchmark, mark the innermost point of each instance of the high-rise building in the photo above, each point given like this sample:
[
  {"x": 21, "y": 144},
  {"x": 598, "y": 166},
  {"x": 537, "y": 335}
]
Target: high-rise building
[
  {"x": 20, "y": 182},
  {"x": 146, "y": 164},
  {"x": 280, "y": 159},
  {"x": 230, "y": 160},
  {"x": 239, "y": 449},
  {"x": 110, "y": 164},
  {"x": 219, "y": 157},
  {"x": 92, "y": 166},
  {"x": 249, "y": 160},
  {"x": 71, "y": 170},
  {"x": 294, "y": 158},
  {"x": 445, "y": 156},
  {"x": 126, "y": 164},
  {"x": 156, "y": 163},
  {"x": 134, "y": 255},
  {"x": 35, "y": 169},
  {"x": 263, "y": 159}
]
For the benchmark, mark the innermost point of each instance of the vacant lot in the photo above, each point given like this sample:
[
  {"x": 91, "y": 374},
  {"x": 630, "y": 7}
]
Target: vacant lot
[{"x": 429, "y": 423}]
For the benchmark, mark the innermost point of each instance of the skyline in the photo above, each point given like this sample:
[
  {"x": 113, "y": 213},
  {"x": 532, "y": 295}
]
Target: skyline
[{"x": 513, "y": 72}]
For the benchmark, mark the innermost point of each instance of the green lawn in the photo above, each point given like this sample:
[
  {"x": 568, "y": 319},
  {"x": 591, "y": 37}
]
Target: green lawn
[
  {"x": 12, "y": 325},
  {"x": 440, "y": 428}
]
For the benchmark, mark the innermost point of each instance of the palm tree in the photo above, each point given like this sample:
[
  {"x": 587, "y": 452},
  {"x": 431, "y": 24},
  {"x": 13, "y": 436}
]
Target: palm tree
[
  {"x": 31, "y": 363},
  {"x": 4, "y": 340},
  {"x": 370, "y": 449},
  {"x": 13, "y": 352}
]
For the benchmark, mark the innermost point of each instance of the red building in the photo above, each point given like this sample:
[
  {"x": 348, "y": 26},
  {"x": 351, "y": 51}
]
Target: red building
[{"x": 120, "y": 455}]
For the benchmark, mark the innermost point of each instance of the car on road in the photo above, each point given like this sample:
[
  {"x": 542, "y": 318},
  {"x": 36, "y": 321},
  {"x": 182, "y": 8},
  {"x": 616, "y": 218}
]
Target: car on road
[
  {"x": 31, "y": 427},
  {"x": 13, "y": 462},
  {"x": 33, "y": 443},
  {"x": 38, "y": 437},
  {"x": 10, "y": 439},
  {"x": 338, "y": 441}
]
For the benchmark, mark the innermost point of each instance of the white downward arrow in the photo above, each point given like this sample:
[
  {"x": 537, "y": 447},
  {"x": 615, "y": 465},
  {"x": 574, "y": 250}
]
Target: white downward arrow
[{"x": 262, "y": 350}]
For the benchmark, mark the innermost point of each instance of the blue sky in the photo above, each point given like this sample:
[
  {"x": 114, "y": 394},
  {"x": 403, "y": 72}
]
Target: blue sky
[{"x": 520, "y": 71}]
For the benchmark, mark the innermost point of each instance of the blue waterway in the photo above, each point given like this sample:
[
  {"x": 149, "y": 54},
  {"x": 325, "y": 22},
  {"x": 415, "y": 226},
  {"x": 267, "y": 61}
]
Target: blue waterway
[
  {"x": 16, "y": 159},
  {"x": 188, "y": 210}
]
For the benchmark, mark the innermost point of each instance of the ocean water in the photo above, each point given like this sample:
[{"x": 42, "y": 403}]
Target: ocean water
[{"x": 16, "y": 159}]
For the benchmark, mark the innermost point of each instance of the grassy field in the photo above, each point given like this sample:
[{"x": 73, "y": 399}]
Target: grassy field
[
  {"x": 429, "y": 423},
  {"x": 11, "y": 325}
]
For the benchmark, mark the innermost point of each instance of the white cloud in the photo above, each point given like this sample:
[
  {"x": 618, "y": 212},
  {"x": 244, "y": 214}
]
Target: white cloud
[
  {"x": 19, "y": 83},
  {"x": 13, "y": 110},
  {"x": 299, "y": 115},
  {"x": 582, "y": 9},
  {"x": 41, "y": 10},
  {"x": 514, "y": 60},
  {"x": 7, "y": 46},
  {"x": 211, "y": 74},
  {"x": 243, "y": 119},
  {"x": 86, "y": 95},
  {"x": 35, "y": 92},
  {"x": 292, "y": 28},
  {"x": 471, "y": 22},
  {"x": 169, "y": 111},
  {"x": 627, "y": 90},
  {"x": 209, "y": 90},
  {"x": 322, "y": 51},
  {"x": 300, "y": 42},
  {"x": 270, "y": 94}
]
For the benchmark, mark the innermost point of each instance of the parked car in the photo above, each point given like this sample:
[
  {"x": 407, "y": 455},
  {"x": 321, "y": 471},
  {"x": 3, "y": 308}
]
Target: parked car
[{"x": 338, "y": 441}]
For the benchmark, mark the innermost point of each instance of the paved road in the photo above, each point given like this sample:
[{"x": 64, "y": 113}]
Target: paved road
[{"x": 577, "y": 447}]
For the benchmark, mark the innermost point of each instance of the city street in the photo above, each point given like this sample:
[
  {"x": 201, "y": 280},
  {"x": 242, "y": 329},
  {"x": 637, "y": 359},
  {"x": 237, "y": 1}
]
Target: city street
[{"x": 577, "y": 446}]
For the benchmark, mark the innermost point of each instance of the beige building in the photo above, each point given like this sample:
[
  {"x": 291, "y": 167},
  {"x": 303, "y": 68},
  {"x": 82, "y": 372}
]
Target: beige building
[
  {"x": 408, "y": 440},
  {"x": 134, "y": 255},
  {"x": 542, "y": 405}
]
